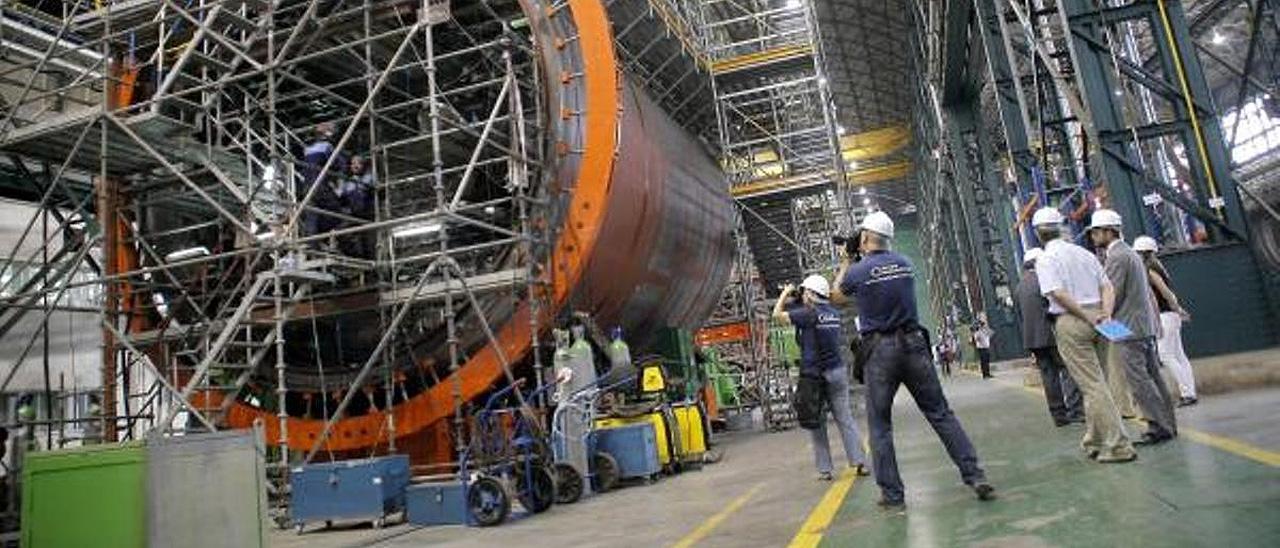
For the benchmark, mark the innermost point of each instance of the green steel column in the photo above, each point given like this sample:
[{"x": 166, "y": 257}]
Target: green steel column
[{"x": 987, "y": 223}]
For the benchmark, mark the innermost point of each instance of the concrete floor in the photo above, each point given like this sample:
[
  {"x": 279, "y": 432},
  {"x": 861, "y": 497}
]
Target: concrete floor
[{"x": 1190, "y": 492}]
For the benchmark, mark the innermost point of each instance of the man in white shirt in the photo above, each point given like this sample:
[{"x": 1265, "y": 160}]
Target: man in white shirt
[
  {"x": 1080, "y": 297},
  {"x": 982, "y": 342}
]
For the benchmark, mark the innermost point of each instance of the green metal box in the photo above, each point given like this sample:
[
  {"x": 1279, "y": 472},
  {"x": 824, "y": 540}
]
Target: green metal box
[{"x": 91, "y": 496}]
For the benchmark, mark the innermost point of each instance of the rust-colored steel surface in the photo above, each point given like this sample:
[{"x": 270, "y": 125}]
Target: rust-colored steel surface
[{"x": 645, "y": 240}]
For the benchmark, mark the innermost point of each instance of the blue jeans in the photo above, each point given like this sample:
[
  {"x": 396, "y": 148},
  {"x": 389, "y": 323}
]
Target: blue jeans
[
  {"x": 903, "y": 359},
  {"x": 841, "y": 408}
]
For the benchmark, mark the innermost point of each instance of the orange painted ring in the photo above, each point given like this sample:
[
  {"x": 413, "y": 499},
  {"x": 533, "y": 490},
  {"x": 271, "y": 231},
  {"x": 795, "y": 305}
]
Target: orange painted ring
[{"x": 576, "y": 241}]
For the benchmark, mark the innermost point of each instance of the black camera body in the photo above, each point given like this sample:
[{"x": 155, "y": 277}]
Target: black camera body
[{"x": 852, "y": 244}]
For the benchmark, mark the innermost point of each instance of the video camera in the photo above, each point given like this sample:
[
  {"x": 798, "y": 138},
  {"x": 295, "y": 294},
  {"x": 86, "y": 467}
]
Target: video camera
[{"x": 851, "y": 244}]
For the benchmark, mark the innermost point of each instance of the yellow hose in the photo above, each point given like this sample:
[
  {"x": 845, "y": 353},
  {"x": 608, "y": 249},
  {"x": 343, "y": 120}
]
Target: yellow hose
[{"x": 1191, "y": 107}]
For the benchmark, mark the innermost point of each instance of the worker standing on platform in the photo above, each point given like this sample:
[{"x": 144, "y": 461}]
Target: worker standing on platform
[
  {"x": 882, "y": 283},
  {"x": 356, "y": 193},
  {"x": 1135, "y": 357},
  {"x": 1037, "y": 337},
  {"x": 1080, "y": 297},
  {"x": 818, "y": 331},
  {"x": 314, "y": 157}
]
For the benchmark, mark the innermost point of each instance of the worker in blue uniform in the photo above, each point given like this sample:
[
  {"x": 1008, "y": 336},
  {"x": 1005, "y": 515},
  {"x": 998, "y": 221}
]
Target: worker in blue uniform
[
  {"x": 897, "y": 349},
  {"x": 314, "y": 157},
  {"x": 356, "y": 193},
  {"x": 819, "y": 334}
]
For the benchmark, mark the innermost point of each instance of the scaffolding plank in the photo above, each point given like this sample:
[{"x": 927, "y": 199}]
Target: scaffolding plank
[{"x": 493, "y": 281}]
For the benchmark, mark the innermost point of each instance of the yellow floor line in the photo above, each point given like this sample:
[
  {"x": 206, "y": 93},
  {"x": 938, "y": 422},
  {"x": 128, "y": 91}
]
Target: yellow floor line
[
  {"x": 714, "y": 521},
  {"x": 1270, "y": 458},
  {"x": 1235, "y": 447},
  {"x": 820, "y": 518}
]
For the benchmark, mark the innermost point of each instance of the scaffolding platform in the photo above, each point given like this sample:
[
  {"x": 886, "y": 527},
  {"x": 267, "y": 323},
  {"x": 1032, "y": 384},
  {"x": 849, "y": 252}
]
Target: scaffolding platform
[{"x": 54, "y": 140}]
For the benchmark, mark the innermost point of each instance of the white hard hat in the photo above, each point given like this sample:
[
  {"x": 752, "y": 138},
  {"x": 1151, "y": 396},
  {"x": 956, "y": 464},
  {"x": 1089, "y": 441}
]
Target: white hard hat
[
  {"x": 878, "y": 222},
  {"x": 1032, "y": 254},
  {"x": 1145, "y": 243},
  {"x": 1046, "y": 216},
  {"x": 817, "y": 284},
  {"x": 1105, "y": 218}
]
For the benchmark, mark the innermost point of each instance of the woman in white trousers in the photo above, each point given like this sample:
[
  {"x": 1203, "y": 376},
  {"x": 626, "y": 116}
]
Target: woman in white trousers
[{"x": 1172, "y": 315}]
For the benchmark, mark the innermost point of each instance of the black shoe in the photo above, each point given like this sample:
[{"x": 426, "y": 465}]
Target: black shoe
[
  {"x": 1153, "y": 438},
  {"x": 861, "y": 470},
  {"x": 1188, "y": 402},
  {"x": 1061, "y": 422},
  {"x": 984, "y": 491},
  {"x": 886, "y": 504}
]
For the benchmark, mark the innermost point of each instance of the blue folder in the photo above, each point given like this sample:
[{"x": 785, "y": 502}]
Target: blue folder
[{"x": 1114, "y": 330}]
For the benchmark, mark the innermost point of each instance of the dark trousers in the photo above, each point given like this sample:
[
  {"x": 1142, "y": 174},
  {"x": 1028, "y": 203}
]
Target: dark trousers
[
  {"x": 1060, "y": 391},
  {"x": 984, "y": 359},
  {"x": 903, "y": 359}
]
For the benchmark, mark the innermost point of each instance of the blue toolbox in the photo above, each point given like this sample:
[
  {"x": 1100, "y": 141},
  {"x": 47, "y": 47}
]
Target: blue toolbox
[
  {"x": 634, "y": 446},
  {"x": 364, "y": 489},
  {"x": 443, "y": 503}
]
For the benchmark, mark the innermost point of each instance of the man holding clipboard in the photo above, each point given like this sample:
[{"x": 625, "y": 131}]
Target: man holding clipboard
[
  {"x": 1133, "y": 354},
  {"x": 1080, "y": 298}
]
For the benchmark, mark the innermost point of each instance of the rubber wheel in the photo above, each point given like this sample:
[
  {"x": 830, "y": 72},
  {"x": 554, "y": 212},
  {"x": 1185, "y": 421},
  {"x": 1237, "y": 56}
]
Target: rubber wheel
[
  {"x": 607, "y": 472},
  {"x": 568, "y": 483},
  {"x": 487, "y": 502},
  {"x": 539, "y": 496}
]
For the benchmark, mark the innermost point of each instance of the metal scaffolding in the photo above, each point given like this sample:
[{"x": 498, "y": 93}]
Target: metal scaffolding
[{"x": 205, "y": 162}]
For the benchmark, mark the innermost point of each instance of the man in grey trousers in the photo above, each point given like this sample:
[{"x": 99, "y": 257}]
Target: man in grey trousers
[
  {"x": 820, "y": 334},
  {"x": 1135, "y": 357}
]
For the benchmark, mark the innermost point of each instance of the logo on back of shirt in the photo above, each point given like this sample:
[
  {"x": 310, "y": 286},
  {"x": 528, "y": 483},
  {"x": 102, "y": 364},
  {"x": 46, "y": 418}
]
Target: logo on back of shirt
[{"x": 884, "y": 273}]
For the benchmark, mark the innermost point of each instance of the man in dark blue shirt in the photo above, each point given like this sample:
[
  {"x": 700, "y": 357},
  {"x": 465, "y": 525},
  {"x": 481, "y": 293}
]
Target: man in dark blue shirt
[
  {"x": 818, "y": 331},
  {"x": 882, "y": 286}
]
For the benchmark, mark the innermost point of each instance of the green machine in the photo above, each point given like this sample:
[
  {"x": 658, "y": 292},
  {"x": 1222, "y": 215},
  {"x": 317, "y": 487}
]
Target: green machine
[
  {"x": 59, "y": 510},
  {"x": 783, "y": 347},
  {"x": 679, "y": 363},
  {"x": 723, "y": 380}
]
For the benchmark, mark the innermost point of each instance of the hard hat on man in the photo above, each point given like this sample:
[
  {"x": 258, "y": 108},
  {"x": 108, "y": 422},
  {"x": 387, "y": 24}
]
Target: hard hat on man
[
  {"x": 1046, "y": 216},
  {"x": 878, "y": 222},
  {"x": 817, "y": 284},
  {"x": 1105, "y": 218},
  {"x": 1145, "y": 243}
]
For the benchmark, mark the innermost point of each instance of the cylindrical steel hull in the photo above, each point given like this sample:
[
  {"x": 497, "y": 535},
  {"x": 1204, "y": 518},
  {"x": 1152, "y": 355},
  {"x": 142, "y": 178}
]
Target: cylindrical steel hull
[{"x": 645, "y": 238}]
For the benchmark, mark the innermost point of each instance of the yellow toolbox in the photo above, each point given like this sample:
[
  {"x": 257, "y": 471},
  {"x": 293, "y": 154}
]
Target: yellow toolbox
[{"x": 693, "y": 439}]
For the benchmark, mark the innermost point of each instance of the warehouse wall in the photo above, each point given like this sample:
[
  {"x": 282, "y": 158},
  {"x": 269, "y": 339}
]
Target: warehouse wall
[
  {"x": 1230, "y": 309},
  {"x": 75, "y": 355}
]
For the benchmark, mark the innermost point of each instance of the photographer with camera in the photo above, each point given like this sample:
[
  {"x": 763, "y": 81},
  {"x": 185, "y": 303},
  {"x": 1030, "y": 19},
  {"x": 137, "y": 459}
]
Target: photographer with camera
[
  {"x": 895, "y": 351},
  {"x": 824, "y": 382}
]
